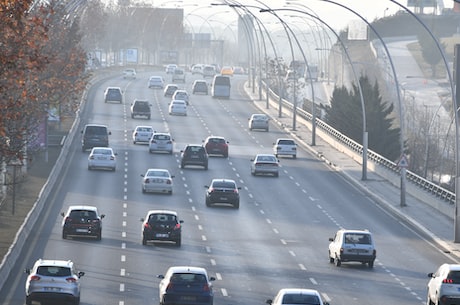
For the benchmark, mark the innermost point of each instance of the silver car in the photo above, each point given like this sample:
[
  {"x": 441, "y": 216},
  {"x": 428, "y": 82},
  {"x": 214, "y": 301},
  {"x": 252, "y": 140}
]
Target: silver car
[
  {"x": 264, "y": 164},
  {"x": 161, "y": 142},
  {"x": 142, "y": 134},
  {"x": 103, "y": 158},
  {"x": 53, "y": 280},
  {"x": 157, "y": 180},
  {"x": 258, "y": 121},
  {"x": 156, "y": 82}
]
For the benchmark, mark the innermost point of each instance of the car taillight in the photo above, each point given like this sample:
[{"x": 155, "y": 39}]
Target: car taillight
[
  {"x": 34, "y": 278},
  {"x": 206, "y": 287},
  {"x": 91, "y": 157},
  {"x": 177, "y": 226},
  {"x": 71, "y": 280},
  {"x": 153, "y": 141},
  {"x": 68, "y": 219},
  {"x": 95, "y": 221},
  {"x": 448, "y": 281},
  {"x": 135, "y": 134},
  {"x": 235, "y": 191},
  {"x": 146, "y": 180},
  {"x": 170, "y": 286},
  {"x": 147, "y": 226},
  {"x": 169, "y": 142},
  {"x": 112, "y": 157},
  {"x": 169, "y": 181}
]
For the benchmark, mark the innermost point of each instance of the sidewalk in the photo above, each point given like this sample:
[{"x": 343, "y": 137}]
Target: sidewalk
[{"x": 426, "y": 220}]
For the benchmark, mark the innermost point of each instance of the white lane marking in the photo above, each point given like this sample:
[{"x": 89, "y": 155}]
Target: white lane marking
[
  {"x": 122, "y": 287},
  {"x": 197, "y": 217},
  {"x": 213, "y": 262},
  {"x": 122, "y": 272},
  {"x": 123, "y": 245},
  {"x": 268, "y": 220},
  {"x": 313, "y": 281},
  {"x": 200, "y": 228},
  {"x": 224, "y": 292},
  {"x": 203, "y": 238},
  {"x": 123, "y": 258},
  {"x": 208, "y": 249},
  {"x": 292, "y": 253},
  {"x": 218, "y": 276},
  {"x": 276, "y": 231},
  {"x": 283, "y": 242}
]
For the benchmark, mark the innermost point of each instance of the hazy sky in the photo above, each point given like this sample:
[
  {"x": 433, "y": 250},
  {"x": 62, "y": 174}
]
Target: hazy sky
[{"x": 332, "y": 14}]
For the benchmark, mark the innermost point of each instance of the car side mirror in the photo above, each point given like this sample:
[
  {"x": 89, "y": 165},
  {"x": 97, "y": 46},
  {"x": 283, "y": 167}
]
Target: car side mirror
[
  {"x": 110, "y": 133},
  {"x": 331, "y": 239},
  {"x": 269, "y": 301},
  {"x": 212, "y": 279},
  {"x": 62, "y": 214},
  {"x": 102, "y": 216},
  {"x": 80, "y": 274},
  {"x": 430, "y": 274}
]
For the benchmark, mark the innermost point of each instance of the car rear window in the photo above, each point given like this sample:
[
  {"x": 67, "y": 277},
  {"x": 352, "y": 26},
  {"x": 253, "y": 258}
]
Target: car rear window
[
  {"x": 217, "y": 140},
  {"x": 454, "y": 276},
  {"x": 300, "y": 299},
  {"x": 195, "y": 149},
  {"x": 53, "y": 271},
  {"x": 102, "y": 151},
  {"x": 188, "y": 278},
  {"x": 357, "y": 238},
  {"x": 161, "y": 137},
  {"x": 164, "y": 218},
  {"x": 157, "y": 174},
  {"x": 224, "y": 184},
  {"x": 286, "y": 142},
  {"x": 79, "y": 214},
  {"x": 96, "y": 130}
]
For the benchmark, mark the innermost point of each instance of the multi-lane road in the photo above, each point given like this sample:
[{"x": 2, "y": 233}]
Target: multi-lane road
[{"x": 278, "y": 238}]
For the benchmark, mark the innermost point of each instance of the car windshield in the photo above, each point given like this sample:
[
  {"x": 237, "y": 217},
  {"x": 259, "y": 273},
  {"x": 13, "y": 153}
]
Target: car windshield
[
  {"x": 53, "y": 271},
  {"x": 301, "y": 299}
]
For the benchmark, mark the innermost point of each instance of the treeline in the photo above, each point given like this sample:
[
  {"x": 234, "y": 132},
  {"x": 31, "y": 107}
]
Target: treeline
[{"x": 42, "y": 68}]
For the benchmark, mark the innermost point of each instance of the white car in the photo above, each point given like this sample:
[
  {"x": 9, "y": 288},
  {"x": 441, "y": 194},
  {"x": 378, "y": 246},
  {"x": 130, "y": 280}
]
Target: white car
[
  {"x": 297, "y": 296},
  {"x": 444, "y": 285},
  {"x": 263, "y": 164},
  {"x": 181, "y": 94},
  {"x": 258, "y": 121},
  {"x": 156, "y": 82},
  {"x": 129, "y": 73},
  {"x": 157, "y": 180},
  {"x": 352, "y": 246},
  {"x": 169, "y": 69},
  {"x": 286, "y": 147},
  {"x": 102, "y": 158},
  {"x": 142, "y": 134},
  {"x": 178, "y": 107},
  {"x": 161, "y": 142}
]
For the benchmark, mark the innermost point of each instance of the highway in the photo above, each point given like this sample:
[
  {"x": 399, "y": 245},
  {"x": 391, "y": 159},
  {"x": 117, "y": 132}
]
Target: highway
[{"x": 277, "y": 239}]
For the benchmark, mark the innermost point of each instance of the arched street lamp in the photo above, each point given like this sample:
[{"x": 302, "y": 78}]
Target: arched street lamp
[{"x": 365, "y": 134}]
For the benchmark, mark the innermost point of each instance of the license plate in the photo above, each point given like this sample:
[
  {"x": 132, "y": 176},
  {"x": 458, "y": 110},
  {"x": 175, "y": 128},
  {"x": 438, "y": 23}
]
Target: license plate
[
  {"x": 188, "y": 298},
  {"x": 162, "y": 235},
  {"x": 101, "y": 158},
  {"x": 81, "y": 230},
  {"x": 52, "y": 289},
  {"x": 224, "y": 198}
]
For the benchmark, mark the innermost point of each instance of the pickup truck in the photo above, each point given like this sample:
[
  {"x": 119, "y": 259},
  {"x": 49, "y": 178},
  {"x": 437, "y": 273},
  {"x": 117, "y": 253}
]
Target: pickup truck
[{"x": 140, "y": 108}]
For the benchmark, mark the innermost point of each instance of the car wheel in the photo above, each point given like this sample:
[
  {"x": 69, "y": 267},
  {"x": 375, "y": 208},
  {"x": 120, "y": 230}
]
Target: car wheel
[
  {"x": 150, "y": 151},
  {"x": 226, "y": 155},
  {"x": 178, "y": 242},
  {"x": 294, "y": 156},
  {"x": 170, "y": 192},
  {"x": 338, "y": 262},
  {"x": 132, "y": 116},
  {"x": 206, "y": 167},
  {"x": 114, "y": 169},
  {"x": 143, "y": 191},
  {"x": 331, "y": 259},
  {"x": 236, "y": 205},
  {"x": 28, "y": 300},
  {"x": 64, "y": 235},
  {"x": 99, "y": 235},
  {"x": 89, "y": 168},
  {"x": 277, "y": 174},
  {"x": 370, "y": 264},
  {"x": 144, "y": 241},
  {"x": 182, "y": 165},
  {"x": 208, "y": 202},
  {"x": 148, "y": 118},
  {"x": 134, "y": 142}
]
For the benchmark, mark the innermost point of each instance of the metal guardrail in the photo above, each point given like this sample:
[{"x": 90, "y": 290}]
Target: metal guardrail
[{"x": 415, "y": 179}]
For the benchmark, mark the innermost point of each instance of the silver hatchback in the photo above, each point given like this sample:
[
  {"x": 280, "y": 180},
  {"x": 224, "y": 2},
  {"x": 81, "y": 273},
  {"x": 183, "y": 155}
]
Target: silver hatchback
[
  {"x": 53, "y": 280},
  {"x": 258, "y": 121},
  {"x": 161, "y": 142}
]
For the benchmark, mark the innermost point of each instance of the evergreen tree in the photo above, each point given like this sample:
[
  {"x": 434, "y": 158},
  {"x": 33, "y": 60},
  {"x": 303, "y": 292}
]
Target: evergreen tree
[{"x": 345, "y": 115}]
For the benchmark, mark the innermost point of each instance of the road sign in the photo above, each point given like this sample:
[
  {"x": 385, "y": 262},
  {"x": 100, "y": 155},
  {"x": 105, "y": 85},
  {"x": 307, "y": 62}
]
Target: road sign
[{"x": 403, "y": 161}]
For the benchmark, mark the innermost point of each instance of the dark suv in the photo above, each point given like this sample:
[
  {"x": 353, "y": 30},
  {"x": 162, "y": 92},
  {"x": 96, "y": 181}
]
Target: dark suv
[
  {"x": 140, "y": 108},
  {"x": 82, "y": 220},
  {"x": 94, "y": 135},
  {"x": 194, "y": 154},
  {"x": 223, "y": 191},
  {"x": 113, "y": 94}
]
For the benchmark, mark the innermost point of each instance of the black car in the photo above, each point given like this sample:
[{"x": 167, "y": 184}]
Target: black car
[
  {"x": 82, "y": 220},
  {"x": 113, "y": 94},
  {"x": 140, "y": 108},
  {"x": 194, "y": 155},
  {"x": 161, "y": 225},
  {"x": 223, "y": 191},
  {"x": 94, "y": 135},
  {"x": 186, "y": 285},
  {"x": 200, "y": 86}
]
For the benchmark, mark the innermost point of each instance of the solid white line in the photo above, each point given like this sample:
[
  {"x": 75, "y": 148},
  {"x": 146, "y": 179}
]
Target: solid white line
[
  {"x": 219, "y": 276},
  {"x": 122, "y": 287}
]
